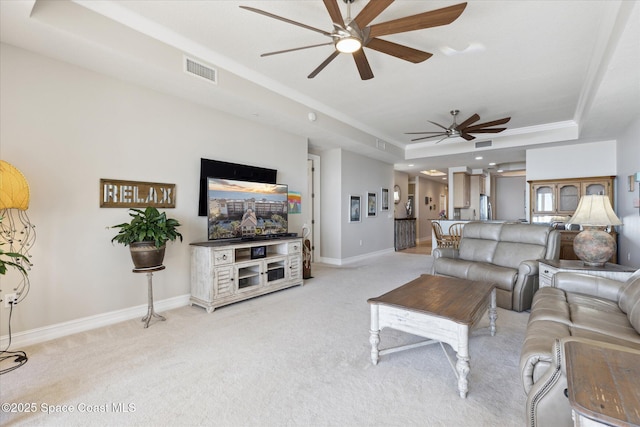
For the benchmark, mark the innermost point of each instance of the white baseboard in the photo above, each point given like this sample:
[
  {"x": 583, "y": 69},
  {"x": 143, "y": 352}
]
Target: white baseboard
[
  {"x": 46, "y": 333},
  {"x": 345, "y": 261}
]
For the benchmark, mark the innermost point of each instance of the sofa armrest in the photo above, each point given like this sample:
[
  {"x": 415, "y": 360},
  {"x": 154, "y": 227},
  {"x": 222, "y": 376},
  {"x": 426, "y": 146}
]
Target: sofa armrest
[
  {"x": 547, "y": 405},
  {"x": 445, "y": 253},
  {"x": 526, "y": 285},
  {"x": 585, "y": 284},
  {"x": 547, "y": 402}
]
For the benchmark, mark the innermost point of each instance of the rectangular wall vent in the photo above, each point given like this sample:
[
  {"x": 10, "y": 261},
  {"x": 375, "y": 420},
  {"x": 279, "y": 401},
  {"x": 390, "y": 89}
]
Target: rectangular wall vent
[
  {"x": 380, "y": 144},
  {"x": 483, "y": 144},
  {"x": 196, "y": 68}
]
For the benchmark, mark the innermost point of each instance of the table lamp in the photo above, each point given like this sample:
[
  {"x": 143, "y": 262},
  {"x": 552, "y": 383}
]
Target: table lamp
[{"x": 593, "y": 245}]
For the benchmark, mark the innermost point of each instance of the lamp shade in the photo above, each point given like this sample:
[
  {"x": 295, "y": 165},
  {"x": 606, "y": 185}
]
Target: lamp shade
[
  {"x": 14, "y": 189},
  {"x": 595, "y": 210}
]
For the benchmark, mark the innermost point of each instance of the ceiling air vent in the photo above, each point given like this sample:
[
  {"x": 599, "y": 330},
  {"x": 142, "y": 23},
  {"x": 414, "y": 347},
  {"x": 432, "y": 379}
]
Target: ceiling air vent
[
  {"x": 482, "y": 144},
  {"x": 196, "y": 68}
]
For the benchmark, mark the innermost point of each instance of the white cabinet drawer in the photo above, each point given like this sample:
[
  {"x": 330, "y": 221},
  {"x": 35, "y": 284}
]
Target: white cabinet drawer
[
  {"x": 222, "y": 257},
  {"x": 295, "y": 248}
]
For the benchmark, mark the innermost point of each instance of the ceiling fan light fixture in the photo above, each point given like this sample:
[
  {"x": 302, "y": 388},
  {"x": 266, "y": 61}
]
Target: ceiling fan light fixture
[{"x": 348, "y": 44}]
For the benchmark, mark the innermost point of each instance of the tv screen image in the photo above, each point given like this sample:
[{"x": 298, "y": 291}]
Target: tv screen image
[{"x": 245, "y": 210}]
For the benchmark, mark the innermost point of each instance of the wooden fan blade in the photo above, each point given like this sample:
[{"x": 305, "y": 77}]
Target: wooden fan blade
[
  {"x": 493, "y": 130},
  {"x": 487, "y": 124},
  {"x": 467, "y": 136},
  {"x": 334, "y": 12},
  {"x": 398, "y": 50},
  {"x": 295, "y": 48},
  {"x": 467, "y": 122},
  {"x": 324, "y": 64},
  {"x": 289, "y": 21},
  {"x": 363, "y": 65},
  {"x": 371, "y": 11},
  {"x": 434, "y": 18}
]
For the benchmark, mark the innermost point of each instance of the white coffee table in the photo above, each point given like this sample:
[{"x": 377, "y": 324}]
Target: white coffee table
[{"x": 443, "y": 309}]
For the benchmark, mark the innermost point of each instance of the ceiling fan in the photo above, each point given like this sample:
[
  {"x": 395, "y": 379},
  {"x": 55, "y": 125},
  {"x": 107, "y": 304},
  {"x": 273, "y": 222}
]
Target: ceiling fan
[
  {"x": 351, "y": 35},
  {"x": 463, "y": 129}
]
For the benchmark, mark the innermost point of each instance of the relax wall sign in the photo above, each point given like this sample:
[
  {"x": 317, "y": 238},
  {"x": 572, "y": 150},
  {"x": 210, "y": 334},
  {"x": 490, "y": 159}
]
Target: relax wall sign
[{"x": 134, "y": 194}]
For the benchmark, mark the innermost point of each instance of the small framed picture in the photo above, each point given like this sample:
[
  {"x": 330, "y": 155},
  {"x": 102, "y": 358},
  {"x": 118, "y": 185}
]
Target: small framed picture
[
  {"x": 632, "y": 182},
  {"x": 354, "y": 208},
  {"x": 258, "y": 252},
  {"x": 384, "y": 199},
  {"x": 372, "y": 204}
]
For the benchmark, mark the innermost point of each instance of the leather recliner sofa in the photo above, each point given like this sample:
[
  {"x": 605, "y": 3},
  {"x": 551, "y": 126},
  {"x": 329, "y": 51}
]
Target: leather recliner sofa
[
  {"x": 504, "y": 253},
  {"x": 576, "y": 307}
]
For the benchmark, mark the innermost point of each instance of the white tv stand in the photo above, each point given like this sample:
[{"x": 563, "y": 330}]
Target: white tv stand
[{"x": 225, "y": 272}]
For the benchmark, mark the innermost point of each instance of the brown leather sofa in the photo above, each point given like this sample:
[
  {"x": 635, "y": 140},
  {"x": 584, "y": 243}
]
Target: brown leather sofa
[
  {"x": 579, "y": 307},
  {"x": 503, "y": 253}
]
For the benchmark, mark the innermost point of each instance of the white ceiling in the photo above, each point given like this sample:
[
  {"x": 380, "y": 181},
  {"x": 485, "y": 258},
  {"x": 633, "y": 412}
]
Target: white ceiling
[{"x": 564, "y": 71}]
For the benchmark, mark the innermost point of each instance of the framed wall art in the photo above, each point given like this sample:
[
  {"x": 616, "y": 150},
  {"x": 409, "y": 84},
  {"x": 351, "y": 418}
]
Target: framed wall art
[
  {"x": 384, "y": 199},
  {"x": 354, "y": 208},
  {"x": 372, "y": 204}
]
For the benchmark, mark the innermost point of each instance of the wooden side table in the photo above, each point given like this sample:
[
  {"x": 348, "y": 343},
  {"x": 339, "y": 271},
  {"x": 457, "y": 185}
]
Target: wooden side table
[
  {"x": 548, "y": 268},
  {"x": 602, "y": 384},
  {"x": 150, "y": 311}
]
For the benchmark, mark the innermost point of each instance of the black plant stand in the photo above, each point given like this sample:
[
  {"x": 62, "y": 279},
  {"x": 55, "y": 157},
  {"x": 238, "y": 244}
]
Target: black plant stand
[{"x": 150, "y": 312}]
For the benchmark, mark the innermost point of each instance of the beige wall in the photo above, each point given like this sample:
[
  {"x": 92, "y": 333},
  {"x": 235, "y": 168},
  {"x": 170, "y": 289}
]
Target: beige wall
[{"x": 65, "y": 128}]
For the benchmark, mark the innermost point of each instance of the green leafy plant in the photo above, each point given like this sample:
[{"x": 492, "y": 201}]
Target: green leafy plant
[
  {"x": 147, "y": 226},
  {"x": 11, "y": 259},
  {"x": 7, "y": 259}
]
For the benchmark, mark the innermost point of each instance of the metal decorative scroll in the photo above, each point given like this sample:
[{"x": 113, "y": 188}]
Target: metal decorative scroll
[{"x": 134, "y": 194}]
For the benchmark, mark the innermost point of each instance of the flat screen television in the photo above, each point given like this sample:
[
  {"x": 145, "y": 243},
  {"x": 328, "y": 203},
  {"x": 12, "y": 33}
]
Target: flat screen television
[
  {"x": 226, "y": 170},
  {"x": 245, "y": 209}
]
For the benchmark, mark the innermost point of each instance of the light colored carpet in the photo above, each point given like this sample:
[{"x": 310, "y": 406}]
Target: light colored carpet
[{"x": 298, "y": 357}]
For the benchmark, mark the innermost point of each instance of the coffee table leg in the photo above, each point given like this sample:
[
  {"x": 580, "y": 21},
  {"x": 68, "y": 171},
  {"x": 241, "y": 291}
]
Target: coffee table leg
[
  {"x": 462, "y": 365},
  {"x": 493, "y": 314},
  {"x": 374, "y": 338}
]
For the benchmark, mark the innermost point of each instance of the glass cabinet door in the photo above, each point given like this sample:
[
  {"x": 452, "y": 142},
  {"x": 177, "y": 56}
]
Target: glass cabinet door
[
  {"x": 544, "y": 198},
  {"x": 590, "y": 188},
  {"x": 568, "y": 197}
]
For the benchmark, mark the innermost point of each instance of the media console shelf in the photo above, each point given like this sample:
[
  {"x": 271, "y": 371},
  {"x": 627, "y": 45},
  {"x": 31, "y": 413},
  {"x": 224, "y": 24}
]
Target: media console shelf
[{"x": 223, "y": 272}]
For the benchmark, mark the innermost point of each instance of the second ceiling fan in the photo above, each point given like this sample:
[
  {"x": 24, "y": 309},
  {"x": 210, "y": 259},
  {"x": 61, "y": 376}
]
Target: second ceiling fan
[
  {"x": 463, "y": 129},
  {"x": 352, "y": 35}
]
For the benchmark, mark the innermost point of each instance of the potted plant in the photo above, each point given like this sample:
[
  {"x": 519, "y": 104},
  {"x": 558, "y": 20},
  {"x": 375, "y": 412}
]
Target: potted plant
[{"x": 146, "y": 235}]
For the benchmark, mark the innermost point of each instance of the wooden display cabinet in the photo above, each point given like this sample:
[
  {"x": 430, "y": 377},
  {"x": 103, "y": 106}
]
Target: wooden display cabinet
[{"x": 555, "y": 200}]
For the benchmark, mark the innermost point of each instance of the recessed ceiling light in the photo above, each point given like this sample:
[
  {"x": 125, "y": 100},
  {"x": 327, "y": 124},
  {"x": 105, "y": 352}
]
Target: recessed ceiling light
[
  {"x": 411, "y": 165},
  {"x": 433, "y": 172},
  {"x": 478, "y": 157},
  {"x": 492, "y": 164},
  {"x": 444, "y": 177},
  {"x": 500, "y": 170}
]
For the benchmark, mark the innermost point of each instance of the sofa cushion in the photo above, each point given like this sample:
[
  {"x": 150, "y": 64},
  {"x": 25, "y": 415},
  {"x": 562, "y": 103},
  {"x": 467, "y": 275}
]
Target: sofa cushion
[
  {"x": 634, "y": 316},
  {"x": 615, "y": 324},
  {"x": 630, "y": 293},
  {"x": 521, "y": 242},
  {"x": 511, "y": 254},
  {"x": 452, "y": 267},
  {"x": 477, "y": 250},
  {"x": 586, "y": 301},
  {"x": 479, "y": 241},
  {"x": 503, "y": 277},
  {"x": 631, "y": 341}
]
